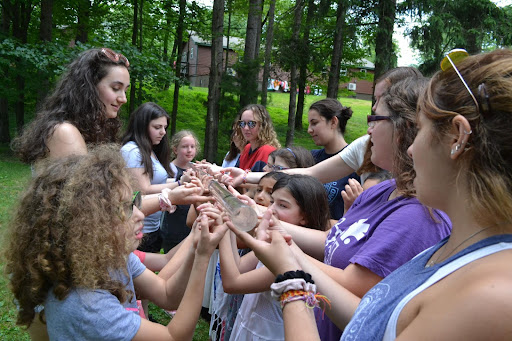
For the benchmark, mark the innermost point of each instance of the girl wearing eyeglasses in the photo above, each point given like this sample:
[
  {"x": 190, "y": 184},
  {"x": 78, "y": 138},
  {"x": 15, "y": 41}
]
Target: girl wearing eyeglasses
[
  {"x": 462, "y": 162},
  {"x": 74, "y": 255},
  {"x": 386, "y": 226},
  {"x": 83, "y": 109},
  {"x": 255, "y": 127}
]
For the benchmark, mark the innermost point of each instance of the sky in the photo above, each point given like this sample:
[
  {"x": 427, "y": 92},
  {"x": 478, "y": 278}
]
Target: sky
[{"x": 407, "y": 56}]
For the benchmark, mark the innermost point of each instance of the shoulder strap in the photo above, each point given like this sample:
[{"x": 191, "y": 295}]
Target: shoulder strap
[{"x": 390, "y": 333}]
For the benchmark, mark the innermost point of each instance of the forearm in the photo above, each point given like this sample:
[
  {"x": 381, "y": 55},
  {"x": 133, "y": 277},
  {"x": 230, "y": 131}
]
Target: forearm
[
  {"x": 329, "y": 170},
  {"x": 310, "y": 241},
  {"x": 299, "y": 322},
  {"x": 155, "y": 189},
  {"x": 181, "y": 253},
  {"x": 228, "y": 266},
  {"x": 177, "y": 284},
  {"x": 343, "y": 302},
  {"x": 183, "y": 324}
]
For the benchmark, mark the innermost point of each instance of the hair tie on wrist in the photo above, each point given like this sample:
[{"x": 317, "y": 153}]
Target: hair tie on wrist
[
  {"x": 165, "y": 202},
  {"x": 244, "y": 178},
  {"x": 294, "y": 274}
]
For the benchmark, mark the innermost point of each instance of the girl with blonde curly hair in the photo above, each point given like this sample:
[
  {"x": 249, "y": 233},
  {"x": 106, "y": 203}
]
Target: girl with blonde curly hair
[
  {"x": 71, "y": 250},
  {"x": 255, "y": 126}
]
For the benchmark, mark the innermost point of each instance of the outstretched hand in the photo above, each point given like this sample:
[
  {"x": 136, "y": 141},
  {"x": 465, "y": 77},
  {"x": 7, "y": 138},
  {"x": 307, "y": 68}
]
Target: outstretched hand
[
  {"x": 187, "y": 194},
  {"x": 274, "y": 251}
]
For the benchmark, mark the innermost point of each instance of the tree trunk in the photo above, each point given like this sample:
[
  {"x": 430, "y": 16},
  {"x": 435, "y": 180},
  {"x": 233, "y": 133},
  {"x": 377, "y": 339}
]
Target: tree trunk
[
  {"x": 334, "y": 71},
  {"x": 249, "y": 71},
  {"x": 268, "y": 51},
  {"x": 212, "y": 116},
  {"x": 82, "y": 28},
  {"x": 20, "y": 23},
  {"x": 45, "y": 34},
  {"x": 384, "y": 54},
  {"x": 179, "y": 42},
  {"x": 293, "y": 74},
  {"x": 304, "y": 61},
  {"x": 228, "y": 33},
  {"x": 5, "y": 136}
]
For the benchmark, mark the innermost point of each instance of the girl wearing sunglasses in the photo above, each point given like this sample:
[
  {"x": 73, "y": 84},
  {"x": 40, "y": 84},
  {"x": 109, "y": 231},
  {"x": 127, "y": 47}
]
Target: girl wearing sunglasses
[
  {"x": 255, "y": 127},
  {"x": 74, "y": 255},
  {"x": 83, "y": 109}
]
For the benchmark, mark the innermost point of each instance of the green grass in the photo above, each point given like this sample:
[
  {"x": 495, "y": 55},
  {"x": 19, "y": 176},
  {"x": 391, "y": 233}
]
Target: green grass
[{"x": 191, "y": 115}]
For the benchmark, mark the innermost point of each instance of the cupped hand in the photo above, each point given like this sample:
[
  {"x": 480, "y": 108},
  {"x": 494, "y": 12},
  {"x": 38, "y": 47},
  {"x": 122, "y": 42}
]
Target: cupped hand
[
  {"x": 187, "y": 194},
  {"x": 209, "y": 236},
  {"x": 276, "y": 254}
]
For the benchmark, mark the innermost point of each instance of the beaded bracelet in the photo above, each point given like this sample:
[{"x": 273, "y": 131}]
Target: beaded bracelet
[
  {"x": 244, "y": 178},
  {"x": 165, "y": 202}
]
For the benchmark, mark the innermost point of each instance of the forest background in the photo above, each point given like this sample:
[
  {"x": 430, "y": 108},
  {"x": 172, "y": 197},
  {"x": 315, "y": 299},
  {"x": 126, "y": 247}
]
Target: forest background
[{"x": 307, "y": 38}]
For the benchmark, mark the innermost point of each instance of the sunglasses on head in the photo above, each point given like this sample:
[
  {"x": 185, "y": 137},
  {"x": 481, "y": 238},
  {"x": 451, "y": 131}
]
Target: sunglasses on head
[
  {"x": 250, "y": 124},
  {"x": 115, "y": 57},
  {"x": 373, "y": 119},
  {"x": 453, "y": 58}
]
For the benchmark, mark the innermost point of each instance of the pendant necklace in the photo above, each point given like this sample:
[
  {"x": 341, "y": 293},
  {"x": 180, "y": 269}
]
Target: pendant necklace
[{"x": 433, "y": 262}]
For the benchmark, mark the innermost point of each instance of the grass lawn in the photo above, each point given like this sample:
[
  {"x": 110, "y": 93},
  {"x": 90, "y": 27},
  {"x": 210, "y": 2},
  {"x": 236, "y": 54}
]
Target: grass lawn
[{"x": 191, "y": 115}]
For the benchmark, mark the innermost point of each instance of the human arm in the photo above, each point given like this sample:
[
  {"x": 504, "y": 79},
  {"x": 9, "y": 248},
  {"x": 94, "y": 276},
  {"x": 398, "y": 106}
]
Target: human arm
[
  {"x": 183, "y": 324},
  {"x": 183, "y": 195},
  {"x": 66, "y": 140},
  {"x": 144, "y": 183},
  {"x": 157, "y": 261}
]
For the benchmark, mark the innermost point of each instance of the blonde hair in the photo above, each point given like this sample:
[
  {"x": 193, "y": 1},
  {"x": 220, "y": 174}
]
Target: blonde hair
[
  {"x": 176, "y": 139},
  {"x": 485, "y": 166},
  {"x": 267, "y": 134}
]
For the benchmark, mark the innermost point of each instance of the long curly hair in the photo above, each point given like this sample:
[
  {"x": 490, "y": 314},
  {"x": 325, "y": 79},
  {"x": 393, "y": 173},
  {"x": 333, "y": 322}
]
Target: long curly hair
[
  {"x": 267, "y": 133},
  {"x": 401, "y": 100},
  {"x": 70, "y": 230},
  {"x": 75, "y": 99},
  {"x": 137, "y": 132}
]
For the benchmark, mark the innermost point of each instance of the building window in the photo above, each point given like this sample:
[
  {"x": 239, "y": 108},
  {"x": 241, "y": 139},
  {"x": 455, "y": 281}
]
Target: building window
[
  {"x": 191, "y": 53},
  {"x": 343, "y": 72},
  {"x": 362, "y": 70}
]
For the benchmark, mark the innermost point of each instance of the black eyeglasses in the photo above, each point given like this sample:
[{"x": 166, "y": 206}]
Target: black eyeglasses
[
  {"x": 115, "y": 57},
  {"x": 372, "y": 119},
  {"x": 250, "y": 124}
]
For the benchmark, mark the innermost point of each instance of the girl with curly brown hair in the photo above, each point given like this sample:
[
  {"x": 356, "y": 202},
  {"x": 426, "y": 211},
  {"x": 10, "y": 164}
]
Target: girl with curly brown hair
[
  {"x": 255, "y": 126},
  {"x": 71, "y": 246},
  {"x": 83, "y": 109}
]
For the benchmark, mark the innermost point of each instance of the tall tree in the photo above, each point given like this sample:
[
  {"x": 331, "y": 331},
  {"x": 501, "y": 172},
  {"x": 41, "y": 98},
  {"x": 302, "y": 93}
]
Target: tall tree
[
  {"x": 5, "y": 135},
  {"x": 297, "y": 15},
  {"x": 83, "y": 14},
  {"x": 250, "y": 68},
  {"x": 179, "y": 42},
  {"x": 212, "y": 116},
  {"x": 385, "y": 57},
  {"x": 45, "y": 35},
  {"x": 334, "y": 70},
  {"x": 268, "y": 50},
  {"x": 303, "y": 64}
]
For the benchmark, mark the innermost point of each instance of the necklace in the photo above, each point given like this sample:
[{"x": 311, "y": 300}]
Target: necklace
[{"x": 433, "y": 262}]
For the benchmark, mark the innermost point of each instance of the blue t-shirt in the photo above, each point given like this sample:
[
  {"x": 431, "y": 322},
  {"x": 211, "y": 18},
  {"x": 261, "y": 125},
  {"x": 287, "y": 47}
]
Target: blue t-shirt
[
  {"x": 95, "y": 314},
  {"x": 333, "y": 189},
  {"x": 133, "y": 159},
  {"x": 381, "y": 235}
]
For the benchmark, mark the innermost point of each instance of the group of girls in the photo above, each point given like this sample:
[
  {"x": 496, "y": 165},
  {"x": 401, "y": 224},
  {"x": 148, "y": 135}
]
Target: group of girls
[{"x": 73, "y": 235}]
